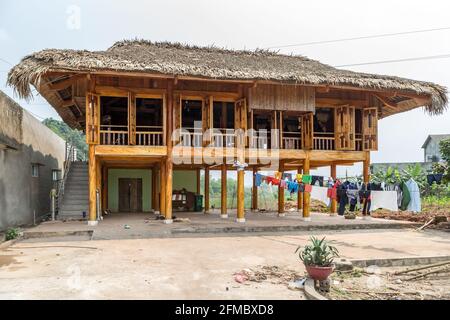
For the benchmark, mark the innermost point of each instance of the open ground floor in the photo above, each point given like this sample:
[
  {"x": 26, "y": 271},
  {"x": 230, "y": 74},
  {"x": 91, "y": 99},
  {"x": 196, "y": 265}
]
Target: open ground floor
[{"x": 188, "y": 267}]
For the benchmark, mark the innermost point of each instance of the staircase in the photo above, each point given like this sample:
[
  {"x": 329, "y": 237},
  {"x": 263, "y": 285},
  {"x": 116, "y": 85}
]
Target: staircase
[{"x": 76, "y": 192}]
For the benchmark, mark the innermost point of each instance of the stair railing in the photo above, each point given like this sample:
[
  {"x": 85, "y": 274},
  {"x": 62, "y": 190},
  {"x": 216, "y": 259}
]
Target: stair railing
[{"x": 70, "y": 157}]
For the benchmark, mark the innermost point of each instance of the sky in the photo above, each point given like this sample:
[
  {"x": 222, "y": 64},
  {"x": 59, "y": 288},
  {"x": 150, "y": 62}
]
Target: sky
[{"x": 29, "y": 26}]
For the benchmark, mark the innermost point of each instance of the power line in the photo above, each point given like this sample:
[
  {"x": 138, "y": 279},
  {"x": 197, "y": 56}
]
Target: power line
[
  {"x": 382, "y": 35},
  {"x": 1, "y": 59},
  {"x": 441, "y": 56}
]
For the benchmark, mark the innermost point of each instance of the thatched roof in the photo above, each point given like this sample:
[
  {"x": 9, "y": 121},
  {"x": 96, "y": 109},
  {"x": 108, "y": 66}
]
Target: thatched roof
[{"x": 211, "y": 62}]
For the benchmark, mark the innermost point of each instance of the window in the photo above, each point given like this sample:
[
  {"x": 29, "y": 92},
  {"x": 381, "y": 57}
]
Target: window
[
  {"x": 56, "y": 174},
  {"x": 34, "y": 170}
]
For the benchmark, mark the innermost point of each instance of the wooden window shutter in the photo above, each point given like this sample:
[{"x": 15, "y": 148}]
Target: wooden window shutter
[
  {"x": 370, "y": 129},
  {"x": 344, "y": 128},
  {"x": 131, "y": 119},
  {"x": 240, "y": 117},
  {"x": 307, "y": 130},
  {"x": 92, "y": 118}
]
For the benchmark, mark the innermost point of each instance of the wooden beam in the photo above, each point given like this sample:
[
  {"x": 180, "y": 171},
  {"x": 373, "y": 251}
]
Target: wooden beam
[
  {"x": 162, "y": 188},
  {"x": 131, "y": 151},
  {"x": 169, "y": 162},
  {"x": 366, "y": 168}
]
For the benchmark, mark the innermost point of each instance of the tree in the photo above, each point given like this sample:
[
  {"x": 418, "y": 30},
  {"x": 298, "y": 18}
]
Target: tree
[
  {"x": 444, "y": 168},
  {"x": 72, "y": 136}
]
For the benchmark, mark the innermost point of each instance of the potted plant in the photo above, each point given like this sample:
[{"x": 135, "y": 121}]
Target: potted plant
[{"x": 318, "y": 258}]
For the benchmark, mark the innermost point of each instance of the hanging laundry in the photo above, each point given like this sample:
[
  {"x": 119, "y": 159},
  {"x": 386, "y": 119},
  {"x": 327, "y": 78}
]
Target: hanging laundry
[
  {"x": 406, "y": 197},
  {"x": 287, "y": 176},
  {"x": 258, "y": 179},
  {"x": 308, "y": 187},
  {"x": 299, "y": 177},
  {"x": 277, "y": 175},
  {"x": 320, "y": 194},
  {"x": 414, "y": 191},
  {"x": 352, "y": 196},
  {"x": 307, "y": 179},
  {"x": 292, "y": 186},
  {"x": 342, "y": 198},
  {"x": 431, "y": 178},
  {"x": 283, "y": 184},
  {"x": 317, "y": 180},
  {"x": 301, "y": 187},
  {"x": 383, "y": 200}
]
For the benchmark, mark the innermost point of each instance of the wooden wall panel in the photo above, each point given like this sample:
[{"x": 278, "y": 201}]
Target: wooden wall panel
[
  {"x": 370, "y": 129},
  {"x": 282, "y": 97},
  {"x": 307, "y": 129},
  {"x": 92, "y": 119}
]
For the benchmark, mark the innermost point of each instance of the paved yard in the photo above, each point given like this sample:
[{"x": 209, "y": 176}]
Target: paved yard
[{"x": 184, "y": 268}]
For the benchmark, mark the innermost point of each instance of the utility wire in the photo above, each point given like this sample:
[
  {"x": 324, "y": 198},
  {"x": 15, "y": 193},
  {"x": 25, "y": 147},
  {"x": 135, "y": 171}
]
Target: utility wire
[
  {"x": 383, "y": 35},
  {"x": 1, "y": 59},
  {"x": 441, "y": 56}
]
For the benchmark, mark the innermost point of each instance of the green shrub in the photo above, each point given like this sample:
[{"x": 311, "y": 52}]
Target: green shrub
[
  {"x": 318, "y": 253},
  {"x": 11, "y": 233}
]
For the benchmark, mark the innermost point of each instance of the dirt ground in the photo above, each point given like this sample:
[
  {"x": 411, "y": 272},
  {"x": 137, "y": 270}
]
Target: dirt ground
[
  {"x": 386, "y": 284},
  {"x": 188, "y": 268}
]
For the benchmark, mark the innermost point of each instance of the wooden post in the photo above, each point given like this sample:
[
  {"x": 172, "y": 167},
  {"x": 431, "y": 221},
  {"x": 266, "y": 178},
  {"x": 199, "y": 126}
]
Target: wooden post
[
  {"x": 223, "y": 191},
  {"x": 169, "y": 179},
  {"x": 198, "y": 180},
  {"x": 240, "y": 195},
  {"x": 254, "y": 191},
  {"x": 162, "y": 189},
  {"x": 333, "y": 207},
  {"x": 366, "y": 168},
  {"x": 306, "y": 195},
  {"x": 281, "y": 196},
  {"x": 299, "y": 195},
  {"x": 206, "y": 190},
  {"x": 92, "y": 186},
  {"x": 169, "y": 161},
  {"x": 98, "y": 184}
]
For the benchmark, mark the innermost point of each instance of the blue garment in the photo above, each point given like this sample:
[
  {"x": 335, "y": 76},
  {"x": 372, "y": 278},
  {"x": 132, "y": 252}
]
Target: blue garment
[
  {"x": 292, "y": 186},
  {"x": 414, "y": 191},
  {"x": 288, "y": 176},
  {"x": 258, "y": 179}
]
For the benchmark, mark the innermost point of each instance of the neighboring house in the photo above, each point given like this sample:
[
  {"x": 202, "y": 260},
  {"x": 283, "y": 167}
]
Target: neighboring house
[
  {"x": 31, "y": 157},
  {"x": 132, "y": 98},
  {"x": 431, "y": 154},
  {"x": 431, "y": 151}
]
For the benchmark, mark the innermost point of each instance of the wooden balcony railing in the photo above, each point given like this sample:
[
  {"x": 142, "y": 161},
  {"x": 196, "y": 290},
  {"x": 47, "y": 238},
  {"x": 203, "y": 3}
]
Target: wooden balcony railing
[
  {"x": 224, "y": 139},
  {"x": 114, "y": 135},
  {"x": 323, "y": 141},
  {"x": 358, "y": 142},
  {"x": 292, "y": 140},
  {"x": 149, "y": 136}
]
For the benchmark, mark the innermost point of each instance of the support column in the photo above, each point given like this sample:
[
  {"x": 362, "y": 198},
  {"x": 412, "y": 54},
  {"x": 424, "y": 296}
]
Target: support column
[
  {"x": 333, "y": 207},
  {"x": 168, "y": 181},
  {"x": 299, "y": 195},
  {"x": 98, "y": 187},
  {"x": 206, "y": 190},
  {"x": 254, "y": 191},
  {"x": 223, "y": 192},
  {"x": 92, "y": 186},
  {"x": 198, "y": 180},
  {"x": 105, "y": 187},
  {"x": 366, "y": 168},
  {"x": 240, "y": 195},
  {"x": 169, "y": 162},
  {"x": 162, "y": 189},
  {"x": 306, "y": 195},
  {"x": 281, "y": 196}
]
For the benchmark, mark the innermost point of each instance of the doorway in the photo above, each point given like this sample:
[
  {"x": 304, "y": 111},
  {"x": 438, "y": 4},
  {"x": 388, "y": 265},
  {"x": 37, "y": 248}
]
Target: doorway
[{"x": 130, "y": 194}]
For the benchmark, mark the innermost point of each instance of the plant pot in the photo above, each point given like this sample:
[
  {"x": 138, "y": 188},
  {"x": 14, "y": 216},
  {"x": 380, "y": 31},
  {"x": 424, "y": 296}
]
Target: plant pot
[{"x": 319, "y": 273}]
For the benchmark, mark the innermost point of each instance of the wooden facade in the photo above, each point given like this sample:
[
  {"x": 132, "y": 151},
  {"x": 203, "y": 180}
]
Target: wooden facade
[{"x": 294, "y": 111}]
